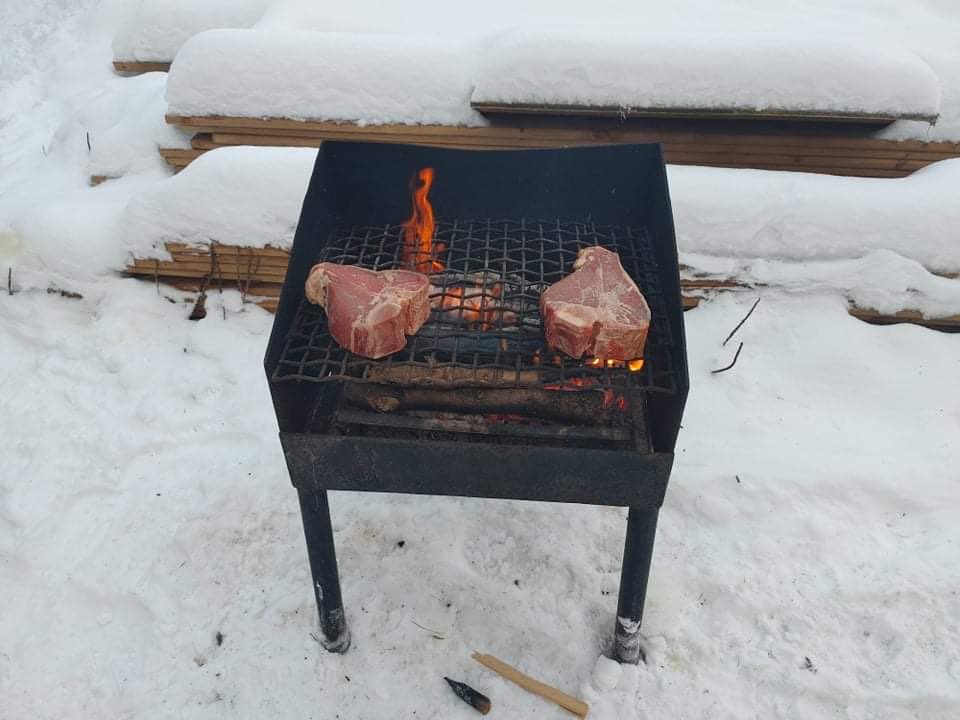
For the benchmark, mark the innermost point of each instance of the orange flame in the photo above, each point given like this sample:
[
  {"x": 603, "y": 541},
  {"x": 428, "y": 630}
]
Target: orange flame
[
  {"x": 418, "y": 246},
  {"x": 476, "y": 307},
  {"x": 635, "y": 365}
]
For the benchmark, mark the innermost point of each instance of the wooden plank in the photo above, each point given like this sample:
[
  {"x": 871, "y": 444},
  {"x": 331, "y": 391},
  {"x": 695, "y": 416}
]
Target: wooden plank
[
  {"x": 570, "y": 130},
  {"x": 180, "y": 153},
  {"x": 138, "y": 67},
  {"x": 202, "y": 141},
  {"x": 817, "y": 162},
  {"x": 747, "y": 149},
  {"x": 222, "y": 139},
  {"x": 732, "y": 113},
  {"x": 150, "y": 268},
  {"x": 235, "y": 259},
  {"x": 950, "y": 323},
  {"x": 223, "y": 249}
]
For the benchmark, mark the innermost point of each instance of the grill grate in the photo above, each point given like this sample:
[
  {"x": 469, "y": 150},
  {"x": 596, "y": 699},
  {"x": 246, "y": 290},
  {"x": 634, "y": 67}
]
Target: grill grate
[{"x": 485, "y": 327}]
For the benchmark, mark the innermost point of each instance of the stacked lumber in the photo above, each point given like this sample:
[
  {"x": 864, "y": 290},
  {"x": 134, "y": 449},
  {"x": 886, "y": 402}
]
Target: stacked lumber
[
  {"x": 834, "y": 149},
  {"x": 258, "y": 273}
]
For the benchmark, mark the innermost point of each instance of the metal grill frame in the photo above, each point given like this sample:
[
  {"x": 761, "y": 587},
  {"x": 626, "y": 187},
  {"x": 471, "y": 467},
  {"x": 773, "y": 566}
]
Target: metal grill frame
[
  {"x": 356, "y": 184},
  {"x": 522, "y": 256}
]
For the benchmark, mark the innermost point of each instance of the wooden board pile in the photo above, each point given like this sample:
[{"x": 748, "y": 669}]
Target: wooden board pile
[
  {"x": 258, "y": 274},
  {"x": 835, "y": 149}
]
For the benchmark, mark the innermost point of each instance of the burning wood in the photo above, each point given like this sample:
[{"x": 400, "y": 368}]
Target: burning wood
[{"x": 475, "y": 299}]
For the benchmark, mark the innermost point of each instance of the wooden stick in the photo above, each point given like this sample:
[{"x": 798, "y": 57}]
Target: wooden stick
[{"x": 577, "y": 707}]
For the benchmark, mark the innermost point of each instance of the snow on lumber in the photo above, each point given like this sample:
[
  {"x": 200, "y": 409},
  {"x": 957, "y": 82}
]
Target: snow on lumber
[
  {"x": 160, "y": 27},
  {"x": 715, "y": 72},
  {"x": 239, "y": 195},
  {"x": 365, "y": 78},
  {"x": 801, "y": 216},
  {"x": 251, "y": 196}
]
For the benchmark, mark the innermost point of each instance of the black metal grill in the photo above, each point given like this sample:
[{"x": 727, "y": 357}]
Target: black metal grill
[
  {"x": 467, "y": 407},
  {"x": 485, "y": 328}
]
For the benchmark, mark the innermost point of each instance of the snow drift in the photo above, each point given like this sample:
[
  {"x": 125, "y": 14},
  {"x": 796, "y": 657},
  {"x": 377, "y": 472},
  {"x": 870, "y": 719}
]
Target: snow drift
[
  {"x": 705, "y": 71},
  {"x": 238, "y": 195},
  {"x": 160, "y": 27},
  {"x": 366, "y": 78},
  {"x": 803, "y": 216},
  {"x": 410, "y": 78}
]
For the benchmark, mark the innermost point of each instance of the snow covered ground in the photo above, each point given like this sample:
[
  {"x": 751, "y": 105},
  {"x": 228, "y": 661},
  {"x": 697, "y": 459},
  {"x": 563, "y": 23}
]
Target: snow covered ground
[
  {"x": 144, "y": 507},
  {"x": 806, "y": 562}
]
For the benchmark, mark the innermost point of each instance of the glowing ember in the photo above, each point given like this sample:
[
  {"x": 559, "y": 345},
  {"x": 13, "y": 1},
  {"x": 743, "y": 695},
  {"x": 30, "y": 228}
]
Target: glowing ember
[
  {"x": 475, "y": 306},
  {"x": 635, "y": 365},
  {"x": 418, "y": 247}
]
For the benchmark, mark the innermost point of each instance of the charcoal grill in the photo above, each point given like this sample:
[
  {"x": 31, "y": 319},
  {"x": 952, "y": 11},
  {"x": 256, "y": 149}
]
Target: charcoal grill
[{"x": 476, "y": 391}]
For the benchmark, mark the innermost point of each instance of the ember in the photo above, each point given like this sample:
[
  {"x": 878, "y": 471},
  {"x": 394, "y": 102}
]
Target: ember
[
  {"x": 635, "y": 365},
  {"x": 474, "y": 305}
]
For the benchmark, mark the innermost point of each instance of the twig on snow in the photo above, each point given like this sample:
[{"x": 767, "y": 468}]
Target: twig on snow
[
  {"x": 435, "y": 634},
  {"x": 724, "y": 369},
  {"x": 740, "y": 324},
  {"x": 10, "y": 281}
]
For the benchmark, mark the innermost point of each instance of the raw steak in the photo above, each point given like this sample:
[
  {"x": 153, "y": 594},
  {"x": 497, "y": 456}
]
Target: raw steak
[
  {"x": 597, "y": 310},
  {"x": 370, "y": 312}
]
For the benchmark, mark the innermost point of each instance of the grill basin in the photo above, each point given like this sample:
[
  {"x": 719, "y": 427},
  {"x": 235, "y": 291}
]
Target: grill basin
[{"x": 563, "y": 431}]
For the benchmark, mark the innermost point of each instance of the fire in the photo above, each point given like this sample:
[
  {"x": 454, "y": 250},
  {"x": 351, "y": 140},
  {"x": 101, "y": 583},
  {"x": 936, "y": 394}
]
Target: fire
[
  {"x": 418, "y": 246},
  {"x": 635, "y": 365},
  {"x": 611, "y": 398},
  {"x": 478, "y": 307}
]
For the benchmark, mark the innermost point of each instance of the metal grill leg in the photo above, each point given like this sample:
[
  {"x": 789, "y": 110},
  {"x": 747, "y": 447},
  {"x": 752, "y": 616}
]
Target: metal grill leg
[
  {"x": 637, "y": 553},
  {"x": 323, "y": 565}
]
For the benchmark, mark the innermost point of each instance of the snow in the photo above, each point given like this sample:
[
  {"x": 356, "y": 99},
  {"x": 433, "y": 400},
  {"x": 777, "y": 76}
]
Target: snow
[
  {"x": 805, "y": 216},
  {"x": 146, "y": 507},
  {"x": 387, "y": 78},
  {"x": 902, "y": 55},
  {"x": 131, "y": 145},
  {"x": 159, "y": 27},
  {"x": 698, "y": 70},
  {"x": 880, "y": 280},
  {"x": 248, "y": 196},
  {"x": 377, "y": 79},
  {"x": 61, "y": 110}
]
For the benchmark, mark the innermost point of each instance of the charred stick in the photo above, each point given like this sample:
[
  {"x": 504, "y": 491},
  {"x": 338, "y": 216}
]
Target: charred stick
[
  {"x": 724, "y": 369},
  {"x": 740, "y": 324},
  {"x": 476, "y": 700}
]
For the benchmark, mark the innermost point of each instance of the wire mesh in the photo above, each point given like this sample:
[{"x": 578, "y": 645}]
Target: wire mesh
[{"x": 485, "y": 323}]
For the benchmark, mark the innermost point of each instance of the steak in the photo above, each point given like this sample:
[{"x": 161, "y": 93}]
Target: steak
[
  {"x": 596, "y": 310},
  {"x": 370, "y": 312}
]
